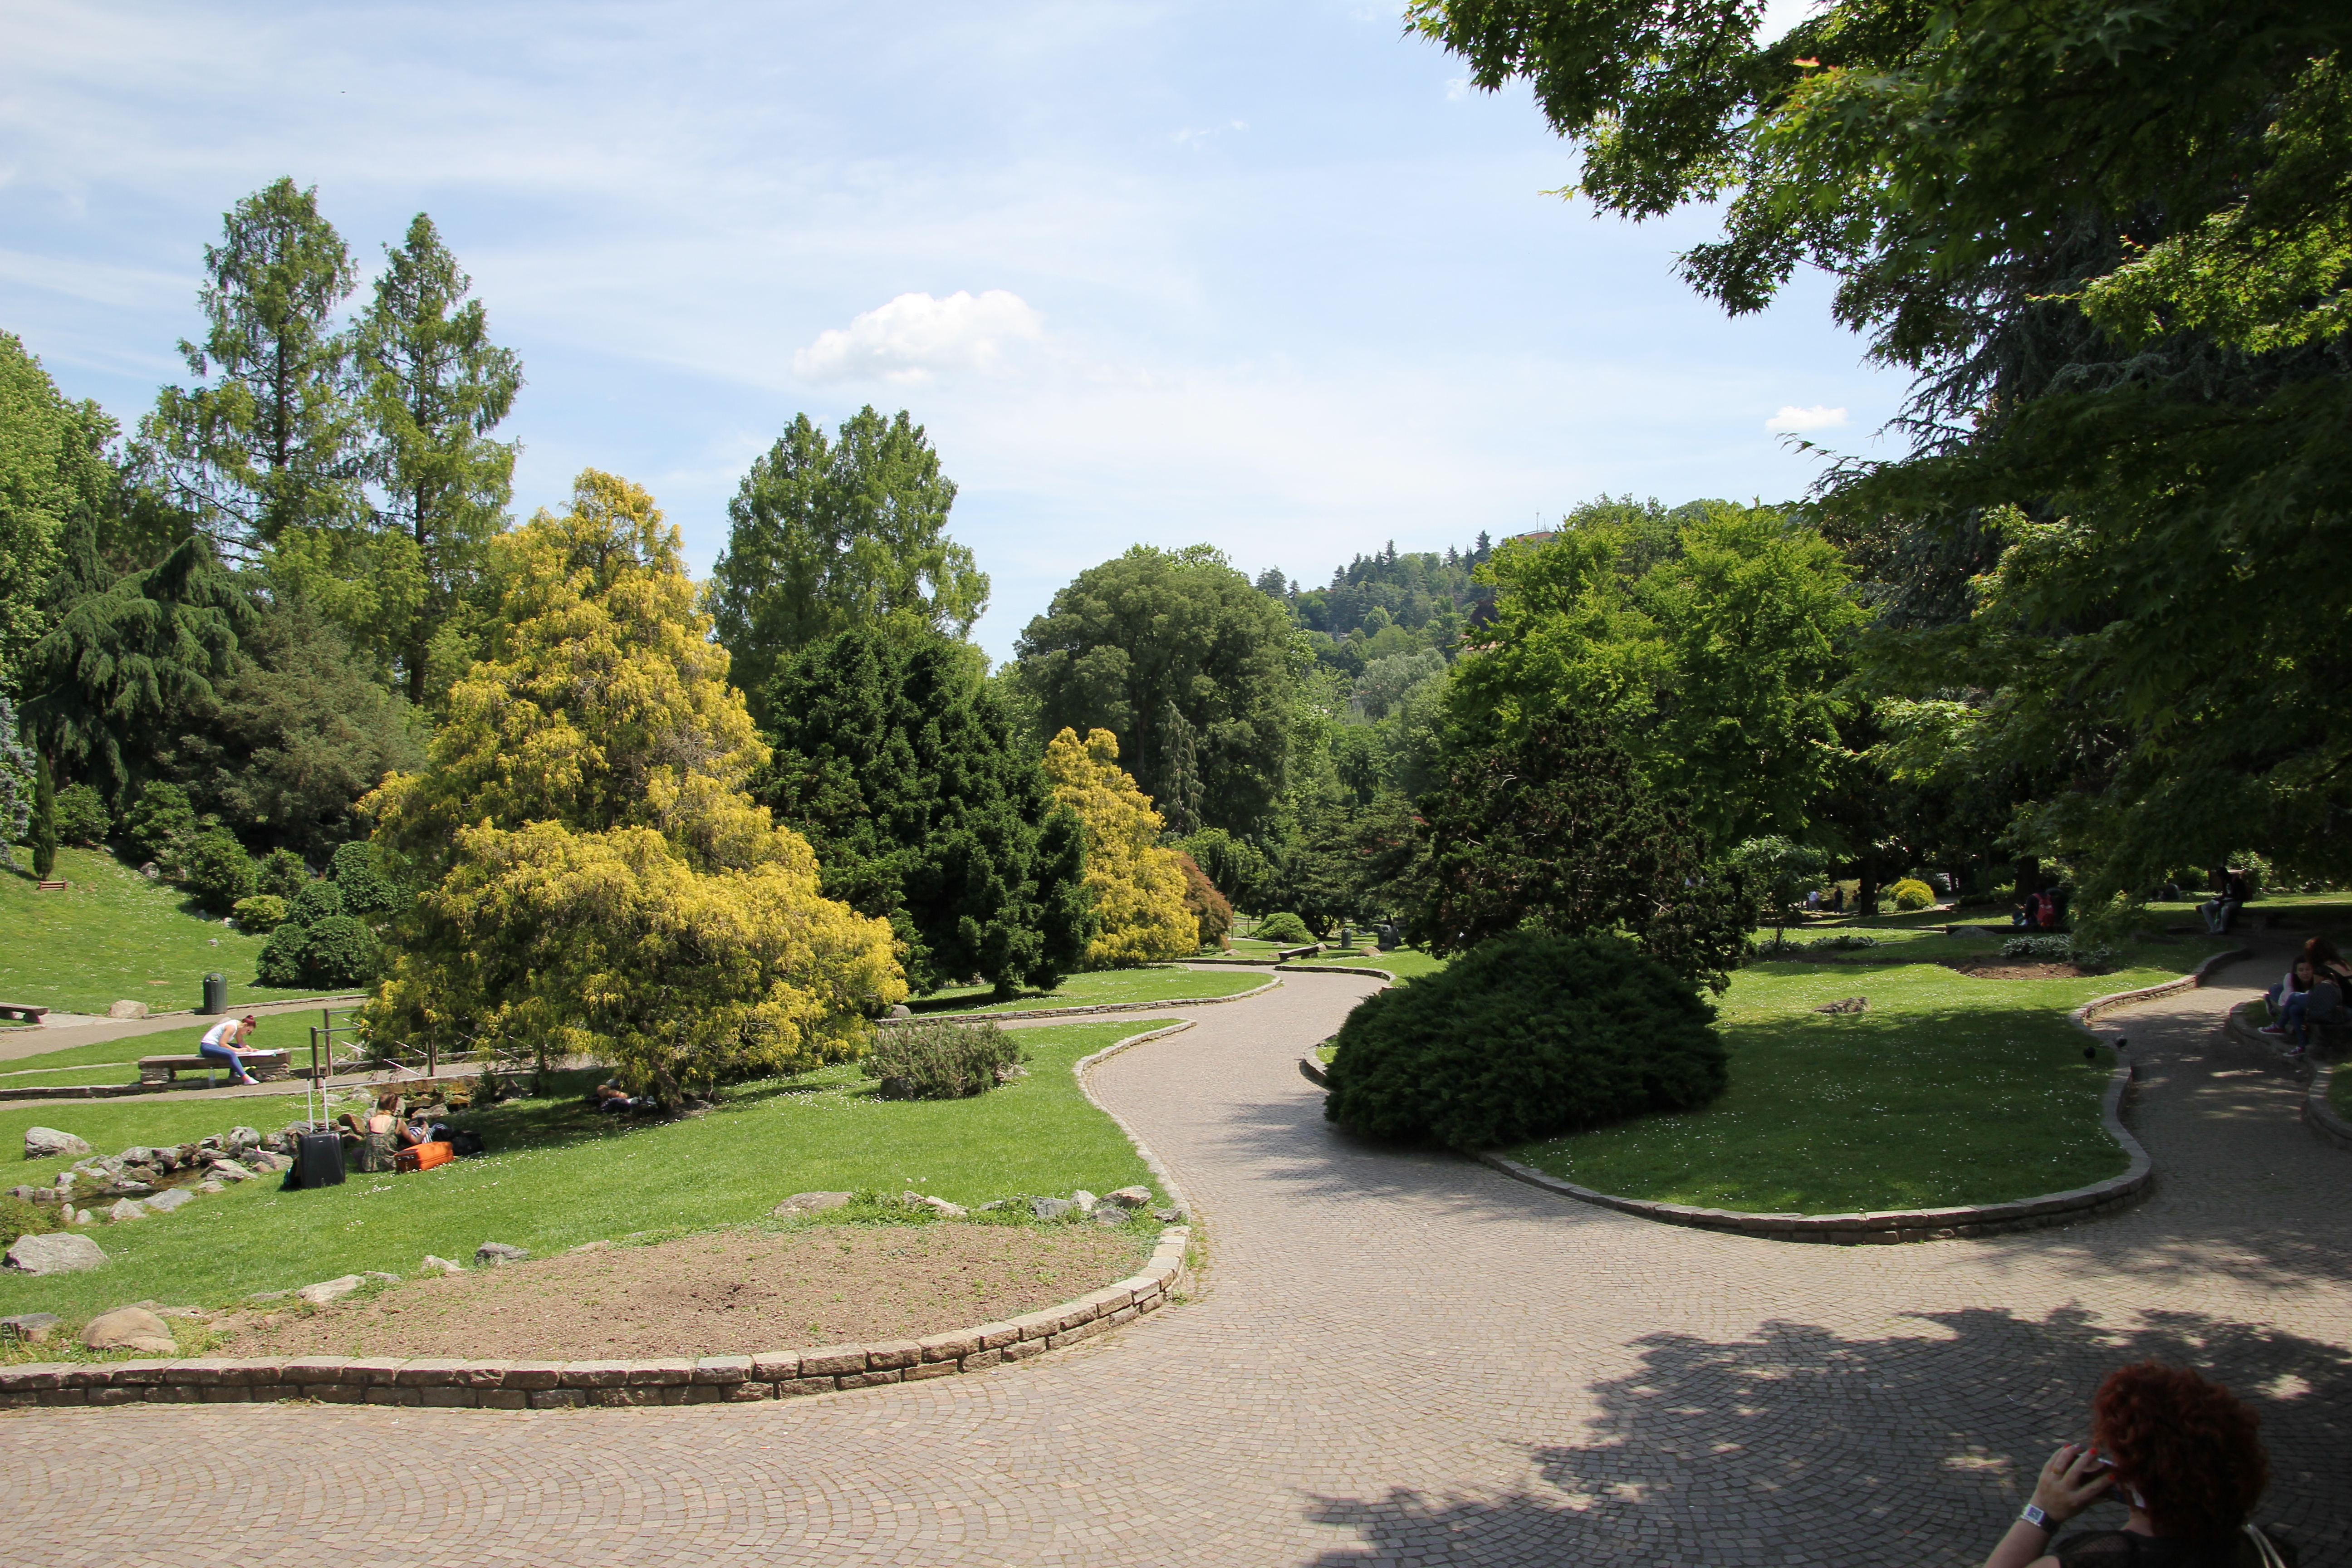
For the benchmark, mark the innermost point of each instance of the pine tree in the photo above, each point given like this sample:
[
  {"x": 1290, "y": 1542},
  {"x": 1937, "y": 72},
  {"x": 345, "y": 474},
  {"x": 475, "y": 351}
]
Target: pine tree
[
  {"x": 597, "y": 880},
  {"x": 1138, "y": 887},
  {"x": 900, "y": 766},
  {"x": 44, "y": 820}
]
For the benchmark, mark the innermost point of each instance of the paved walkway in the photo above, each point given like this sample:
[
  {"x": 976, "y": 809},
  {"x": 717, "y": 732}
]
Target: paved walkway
[{"x": 1400, "y": 1359}]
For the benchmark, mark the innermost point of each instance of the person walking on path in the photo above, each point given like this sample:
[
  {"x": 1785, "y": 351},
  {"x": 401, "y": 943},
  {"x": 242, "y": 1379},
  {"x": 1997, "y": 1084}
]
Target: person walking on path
[{"x": 221, "y": 1042}]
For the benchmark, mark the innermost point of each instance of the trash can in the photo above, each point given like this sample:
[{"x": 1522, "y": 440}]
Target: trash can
[{"x": 215, "y": 993}]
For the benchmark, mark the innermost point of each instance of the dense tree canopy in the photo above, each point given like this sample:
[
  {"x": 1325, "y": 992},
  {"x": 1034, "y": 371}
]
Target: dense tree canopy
[
  {"x": 1136, "y": 884},
  {"x": 926, "y": 808},
  {"x": 828, "y": 534},
  {"x": 596, "y": 878},
  {"x": 52, "y": 463},
  {"x": 1188, "y": 664}
]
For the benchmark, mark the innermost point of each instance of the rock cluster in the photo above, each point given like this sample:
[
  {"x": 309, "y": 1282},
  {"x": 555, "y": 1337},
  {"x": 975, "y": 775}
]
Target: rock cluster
[{"x": 139, "y": 1178}]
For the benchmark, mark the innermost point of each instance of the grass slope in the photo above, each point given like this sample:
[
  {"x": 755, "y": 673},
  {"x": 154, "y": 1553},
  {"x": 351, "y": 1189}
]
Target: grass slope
[
  {"x": 1949, "y": 1091},
  {"x": 113, "y": 936},
  {"x": 1099, "y": 989},
  {"x": 558, "y": 1176}
]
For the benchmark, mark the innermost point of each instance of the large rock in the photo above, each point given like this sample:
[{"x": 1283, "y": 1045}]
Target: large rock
[
  {"x": 48, "y": 1142},
  {"x": 940, "y": 1206},
  {"x": 277, "y": 1165},
  {"x": 810, "y": 1203},
  {"x": 58, "y": 1252},
  {"x": 1050, "y": 1208},
  {"x": 127, "y": 1010},
  {"x": 499, "y": 1252},
  {"x": 1129, "y": 1197},
  {"x": 32, "y": 1327},
  {"x": 327, "y": 1291},
  {"x": 1085, "y": 1200},
  {"x": 130, "y": 1329},
  {"x": 127, "y": 1209},
  {"x": 166, "y": 1202},
  {"x": 243, "y": 1138}
]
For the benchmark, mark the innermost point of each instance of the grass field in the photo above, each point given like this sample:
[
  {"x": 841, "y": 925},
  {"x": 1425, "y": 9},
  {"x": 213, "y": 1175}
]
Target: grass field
[
  {"x": 115, "y": 936},
  {"x": 1099, "y": 989},
  {"x": 1949, "y": 1090},
  {"x": 558, "y": 1174}
]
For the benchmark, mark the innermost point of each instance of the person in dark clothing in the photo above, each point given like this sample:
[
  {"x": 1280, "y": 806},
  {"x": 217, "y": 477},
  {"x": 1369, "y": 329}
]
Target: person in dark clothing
[
  {"x": 2181, "y": 1454},
  {"x": 2221, "y": 911}
]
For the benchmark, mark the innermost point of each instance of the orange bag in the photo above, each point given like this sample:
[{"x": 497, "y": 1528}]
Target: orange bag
[{"x": 423, "y": 1157}]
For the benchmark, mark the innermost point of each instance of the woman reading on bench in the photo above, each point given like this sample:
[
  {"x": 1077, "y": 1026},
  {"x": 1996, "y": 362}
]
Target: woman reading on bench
[{"x": 220, "y": 1043}]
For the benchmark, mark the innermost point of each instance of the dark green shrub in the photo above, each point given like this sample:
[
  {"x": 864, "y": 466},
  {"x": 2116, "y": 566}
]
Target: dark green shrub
[
  {"x": 261, "y": 914},
  {"x": 1526, "y": 1035},
  {"x": 942, "y": 1059},
  {"x": 280, "y": 963},
  {"x": 283, "y": 875},
  {"x": 82, "y": 817},
  {"x": 316, "y": 901},
  {"x": 162, "y": 822},
  {"x": 366, "y": 890},
  {"x": 340, "y": 950},
  {"x": 220, "y": 872},
  {"x": 1286, "y": 929}
]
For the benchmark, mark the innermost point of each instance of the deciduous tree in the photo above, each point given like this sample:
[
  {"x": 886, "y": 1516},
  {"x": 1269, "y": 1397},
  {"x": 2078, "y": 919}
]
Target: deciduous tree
[{"x": 1137, "y": 886}]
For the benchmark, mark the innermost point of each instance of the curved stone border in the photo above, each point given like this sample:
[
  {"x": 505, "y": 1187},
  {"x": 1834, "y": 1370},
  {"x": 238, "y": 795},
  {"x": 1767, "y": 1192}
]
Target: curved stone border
[
  {"x": 1083, "y": 1069},
  {"x": 1883, "y": 1227},
  {"x": 2321, "y": 1116},
  {"x": 1335, "y": 968},
  {"x": 548, "y": 1384},
  {"x": 1098, "y": 1007}
]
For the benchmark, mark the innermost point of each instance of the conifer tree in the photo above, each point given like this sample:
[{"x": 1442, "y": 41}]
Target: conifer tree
[
  {"x": 901, "y": 766},
  {"x": 1138, "y": 887},
  {"x": 596, "y": 878}
]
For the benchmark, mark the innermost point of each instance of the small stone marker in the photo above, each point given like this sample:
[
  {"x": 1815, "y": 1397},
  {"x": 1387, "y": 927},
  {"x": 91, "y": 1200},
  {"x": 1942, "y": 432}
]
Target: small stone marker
[
  {"x": 1850, "y": 1004},
  {"x": 130, "y": 1329},
  {"x": 442, "y": 1265},
  {"x": 810, "y": 1203},
  {"x": 499, "y": 1252},
  {"x": 126, "y": 1009},
  {"x": 327, "y": 1291},
  {"x": 45, "y": 1142},
  {"x": 1131, "y": 1197}
]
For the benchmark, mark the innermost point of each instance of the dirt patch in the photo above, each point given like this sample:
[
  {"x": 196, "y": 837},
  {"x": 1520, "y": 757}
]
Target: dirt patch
[
  {"x": 723, "y": 1293},
  {"x": 1983, "y": 967}
]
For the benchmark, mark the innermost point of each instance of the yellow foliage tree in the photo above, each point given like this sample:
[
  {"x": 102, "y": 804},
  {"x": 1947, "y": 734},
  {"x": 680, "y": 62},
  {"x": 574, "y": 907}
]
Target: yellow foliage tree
[
  {"x": 597, "y": 879},
  {"x": 1137, "y": 886}
]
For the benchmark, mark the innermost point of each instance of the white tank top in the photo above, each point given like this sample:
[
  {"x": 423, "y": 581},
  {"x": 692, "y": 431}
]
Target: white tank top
[{"x": 219, "y": 1033}]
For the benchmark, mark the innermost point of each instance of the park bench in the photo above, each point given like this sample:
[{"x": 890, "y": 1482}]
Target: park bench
[
  {"x": 52, "y": 887},
  {"x": 20, "y": 1011},
  {"x": 1292, "y": 954},
  {"x": 264, "y": 1065}
]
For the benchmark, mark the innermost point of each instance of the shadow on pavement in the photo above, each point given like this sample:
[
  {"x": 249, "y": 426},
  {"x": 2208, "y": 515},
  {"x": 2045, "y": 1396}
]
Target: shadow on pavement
[{"x": 1795, "y": 1445}]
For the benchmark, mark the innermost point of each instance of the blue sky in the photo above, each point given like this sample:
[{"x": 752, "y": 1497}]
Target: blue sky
[{"x": 1262, "y": 275}]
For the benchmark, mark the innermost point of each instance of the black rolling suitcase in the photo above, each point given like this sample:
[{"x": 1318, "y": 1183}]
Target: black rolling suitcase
[{"x": 319, "y": 1160}]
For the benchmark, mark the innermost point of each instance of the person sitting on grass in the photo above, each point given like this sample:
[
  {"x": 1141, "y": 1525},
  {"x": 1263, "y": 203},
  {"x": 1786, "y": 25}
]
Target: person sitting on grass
[
  {"x": 610, "y": 1097},
  {"x": 221, "y": 1042},
  {"x": 2181, "y": 1453},
  {"x": 2313, "y": 991}
]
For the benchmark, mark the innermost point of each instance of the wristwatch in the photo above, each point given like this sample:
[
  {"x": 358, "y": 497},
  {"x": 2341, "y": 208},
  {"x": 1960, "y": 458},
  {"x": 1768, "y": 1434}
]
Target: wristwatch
[{"x": 2035, "y": 1517}]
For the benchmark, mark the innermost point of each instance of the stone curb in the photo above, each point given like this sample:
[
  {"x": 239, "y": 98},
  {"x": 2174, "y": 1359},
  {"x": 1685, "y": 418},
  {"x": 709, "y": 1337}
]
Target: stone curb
[
  {"x": 1100, "y": 1007},
  {"x": 2320, "y": 1116},
  {"x": 438, "y": 1383},
  {"x": 1893, "y": 1226},
  {"x": 435, "y": 1381}
]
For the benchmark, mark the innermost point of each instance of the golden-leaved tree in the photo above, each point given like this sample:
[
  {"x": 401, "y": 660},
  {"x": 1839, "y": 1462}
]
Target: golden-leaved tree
[
  {"x": 597, "y": 880},
  {"x": 1138, "y": 887}
]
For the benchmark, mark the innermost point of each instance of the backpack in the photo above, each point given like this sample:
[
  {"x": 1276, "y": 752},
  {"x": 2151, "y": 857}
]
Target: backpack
[{"x": 465, "y": 1141}]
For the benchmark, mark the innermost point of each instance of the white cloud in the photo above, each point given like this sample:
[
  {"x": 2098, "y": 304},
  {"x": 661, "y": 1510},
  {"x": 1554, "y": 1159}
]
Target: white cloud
[
  {"x": 915, "y": 337},
  {"x": 1792, "y": 419}
]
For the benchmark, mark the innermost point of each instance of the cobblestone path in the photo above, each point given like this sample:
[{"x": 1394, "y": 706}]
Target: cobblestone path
[{"x": 1398, "y": 1359}]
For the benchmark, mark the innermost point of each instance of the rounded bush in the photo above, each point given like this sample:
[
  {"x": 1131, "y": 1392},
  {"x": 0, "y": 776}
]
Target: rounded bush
[
  {"x": 1911, "y": 893},
  {"x": 1524, "y": 1037},
  {"x": 82, "y": 817},
  {"x": 316, "y": 901},
  {"x": 261, "y": 914},
  {"x": 219, "y": 870},
  {"x": 366, "y": 890},
  {"x": 283, "y": 874},
  {"x": 1286, "y": 929},
  {"x": 280, "y": 963},
  {"x": 340, "y": 950},
  {"x": 941, "y": 1059}
]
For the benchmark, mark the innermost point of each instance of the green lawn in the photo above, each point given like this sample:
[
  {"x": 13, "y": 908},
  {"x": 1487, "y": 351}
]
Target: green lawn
[
  {"x": 1101, "y": 988},
  {"x": 1949, "y": 1091},
  {"x": 558, "y": 1174},
  {"x": 115, "y": 936}
]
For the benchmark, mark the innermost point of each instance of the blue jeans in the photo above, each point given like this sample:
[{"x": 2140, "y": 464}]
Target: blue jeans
[{"x": 228, "y": 1059}]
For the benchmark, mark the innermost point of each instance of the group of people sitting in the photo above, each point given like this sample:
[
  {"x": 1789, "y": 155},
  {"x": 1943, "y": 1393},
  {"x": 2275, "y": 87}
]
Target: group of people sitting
[
  {"x": 2315, "y": 990},
  {"x": 387, "y": 1129},
  {"x": 2042, "y": 911}
]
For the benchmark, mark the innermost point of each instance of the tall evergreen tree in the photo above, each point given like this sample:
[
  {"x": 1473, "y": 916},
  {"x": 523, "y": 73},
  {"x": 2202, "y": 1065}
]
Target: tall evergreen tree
[
  {"x": 431, "y": 387},
  {"x": 45, "y": 819},
  {"x": 828, "y": 534},
  {"x": 925, "y": 808},
  {"x": 52, "y": 461},
  {"x": 272, "y": 444}
]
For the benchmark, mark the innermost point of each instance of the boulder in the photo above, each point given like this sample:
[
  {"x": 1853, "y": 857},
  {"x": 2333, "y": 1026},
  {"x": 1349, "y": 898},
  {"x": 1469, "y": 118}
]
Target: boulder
[
  {"x": 166, "y": 1202},
  {"x": 1050, "y": 1208},
  {"x": 230, "y": 1171},
  {"x": 442, "y": 1266},
  {"x": 1169, "y": 1217},
  {"x": 127, "y": 1209},
  {"x": 242, "y": 1138},
  {"x": 48, "y": 1142},
  {"x": 900, "y": 1010},
  {"x": 1085, "y": 1200},
  {"x": 1130, "y": 1197},
  {"x": 31, "y": 1328},
  {"x": 810, "y": 1203},
  {"x": 210, "y": 1187},
  {"x": 499, "y": 1252},
  {"x": 130, "y": 1329},
  {"x": 276, "y": 1164},
  {"x": 937, "y": 1205},
  {"x": 126, "y": 1186},
  {"x": 126, "y": 1009},
  {"x": 1109, "y": 1214},
  {"x": 327, "y": 1291}
]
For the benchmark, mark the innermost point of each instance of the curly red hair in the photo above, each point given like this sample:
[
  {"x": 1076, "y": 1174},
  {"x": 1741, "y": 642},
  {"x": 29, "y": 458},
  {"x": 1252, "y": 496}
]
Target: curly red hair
[{"x": 2186, "y": 1445}]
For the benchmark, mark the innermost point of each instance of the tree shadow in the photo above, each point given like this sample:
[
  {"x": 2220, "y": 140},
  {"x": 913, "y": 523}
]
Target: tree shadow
[{"x": 1795, "y": 1445}]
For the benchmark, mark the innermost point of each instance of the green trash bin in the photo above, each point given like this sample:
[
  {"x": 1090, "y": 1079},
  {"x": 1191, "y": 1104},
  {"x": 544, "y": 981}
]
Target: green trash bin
[{"x": 215, "y": 993}]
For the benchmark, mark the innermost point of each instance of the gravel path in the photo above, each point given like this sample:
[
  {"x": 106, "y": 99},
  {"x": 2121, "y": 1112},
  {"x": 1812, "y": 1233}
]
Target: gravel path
[{"x": 1399, "y": 1358}]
